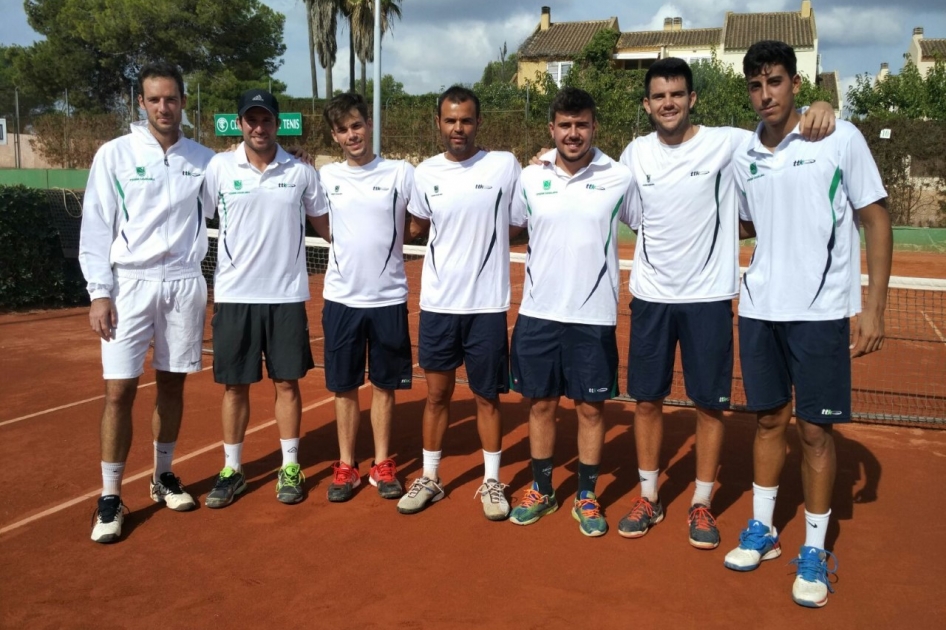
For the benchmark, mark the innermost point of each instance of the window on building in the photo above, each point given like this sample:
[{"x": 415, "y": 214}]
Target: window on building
[{"x": 558, "y": 70}]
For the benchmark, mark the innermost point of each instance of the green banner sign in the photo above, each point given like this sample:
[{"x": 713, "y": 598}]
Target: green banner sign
[{"x": 290, "y": 124}]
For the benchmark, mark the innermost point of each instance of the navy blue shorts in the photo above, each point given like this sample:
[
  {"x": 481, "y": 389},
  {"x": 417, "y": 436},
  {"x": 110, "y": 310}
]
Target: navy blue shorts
[
  {"x": 813, "y": 356},
  {"x": 244, "y": 333},
  {"x": 551, "y": 359},
  {"x": 480, "y": 341},
  {"x": 382, "y": 330},
  {"x": 704, "y": 330}
]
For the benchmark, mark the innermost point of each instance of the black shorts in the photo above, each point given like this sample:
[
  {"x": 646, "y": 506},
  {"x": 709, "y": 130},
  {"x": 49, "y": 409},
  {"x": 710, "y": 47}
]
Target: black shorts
[
  {"x": 704, "y": 331},
  {"x": 814, "y": 357},
  {"x": 382, "y": 331},
  {"x": 478, "y": 340},
  {"x": 551, "y": 359},
  {"x": 244, "y": 333}
]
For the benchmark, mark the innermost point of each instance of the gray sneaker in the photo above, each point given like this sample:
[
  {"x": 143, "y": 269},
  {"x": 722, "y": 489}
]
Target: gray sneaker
[
  {"x": 495, "y": 505},
  {"x": 229, "y": 484},
  {"x": 423, "y": 491}
]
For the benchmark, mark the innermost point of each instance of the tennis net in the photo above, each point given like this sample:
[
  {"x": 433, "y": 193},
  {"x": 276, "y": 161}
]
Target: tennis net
[{"x": 905, "y": 383}]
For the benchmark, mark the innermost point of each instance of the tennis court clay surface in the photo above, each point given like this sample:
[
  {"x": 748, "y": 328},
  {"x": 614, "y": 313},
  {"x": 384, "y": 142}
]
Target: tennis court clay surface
[{"x": 261, "y": 564}]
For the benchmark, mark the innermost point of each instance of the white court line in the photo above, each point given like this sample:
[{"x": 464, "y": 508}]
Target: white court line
[
  {"x": 147, "y": 473},
  {"x": 73, "y": 404},
  {"x": 935, "y": 329}
]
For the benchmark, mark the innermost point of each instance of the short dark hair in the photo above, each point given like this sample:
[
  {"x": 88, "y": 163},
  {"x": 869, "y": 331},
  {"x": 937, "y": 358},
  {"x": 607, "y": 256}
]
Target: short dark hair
[
  {"x": 769, "y": 52},
  {"x": 458, "y": 94},
  {"x": 668, "y": 68},
  {"x": 340, "y": 106},
  {"x": 571, "y": 100},
  {"x": 163, "y": 70}
]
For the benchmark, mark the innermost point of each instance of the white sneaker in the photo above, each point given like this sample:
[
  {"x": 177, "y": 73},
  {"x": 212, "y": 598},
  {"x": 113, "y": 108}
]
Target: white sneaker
[
  {"x": 423, "y": 492},
  {"x": 811, "y": 585},
  {"x": 757, "y": 542},
  {"x": 169, "y": 491},
  {"x": 495, "y": 505},
  {"x": 107, "y": 525}
]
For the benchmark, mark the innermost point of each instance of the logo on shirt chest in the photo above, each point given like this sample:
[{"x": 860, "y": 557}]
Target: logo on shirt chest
[
  {"x": 483, "y": 187},
  {"x": 337, "y": 190},
  {"x": 802, "y": 162},
  {"x": 437, "y": 192},
  {"x": 698, "y": 173},
  {"x": 284, "y": 185},
  {"x": 754, "y": 172},
  {"x": 191, "y": 174},
  {"x": 648, "y": 182},
  {"x": 238, "y": 184},
  {"x": 380, "y": 189},
  {"x": 141, "y": 175},
  {"x": 547, "y": 188},
  {"x": 594, "y": 187}
]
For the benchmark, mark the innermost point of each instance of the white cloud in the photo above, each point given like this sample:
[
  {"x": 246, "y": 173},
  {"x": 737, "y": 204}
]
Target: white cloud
[{"x": 849, "y": 26}]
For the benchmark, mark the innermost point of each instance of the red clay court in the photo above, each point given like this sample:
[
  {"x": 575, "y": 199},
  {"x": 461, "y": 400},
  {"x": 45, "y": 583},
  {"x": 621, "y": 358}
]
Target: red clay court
[{"x": 261, "y": 564}]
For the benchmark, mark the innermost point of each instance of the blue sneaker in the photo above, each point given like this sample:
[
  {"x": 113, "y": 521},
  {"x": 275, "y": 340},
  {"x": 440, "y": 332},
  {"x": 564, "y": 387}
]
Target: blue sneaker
[
  {"x": 757, "y": 542},
  {"x": 587, "y": 512},
  {"x": 811, "y": 586},
  {"x": 533, "y": 506}
]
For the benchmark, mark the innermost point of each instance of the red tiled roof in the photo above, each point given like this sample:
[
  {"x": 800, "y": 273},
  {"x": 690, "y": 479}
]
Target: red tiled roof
[
  {"x": 745, "y": 29},
  {"x": 564, "y": 39},
  {"x": 692, "y": 37}
]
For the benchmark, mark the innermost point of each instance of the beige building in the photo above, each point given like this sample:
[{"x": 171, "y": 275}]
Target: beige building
[
  {"x": 552, "y": 46},
  {"x": 924, "y": 52}
]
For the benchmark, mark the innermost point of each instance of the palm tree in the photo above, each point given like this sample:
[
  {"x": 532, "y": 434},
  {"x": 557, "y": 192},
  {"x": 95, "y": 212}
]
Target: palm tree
[
  {"x": 309, "y": 8},
  {"x": 322, "y": 16},
  {"x": 361, "y": 23}
]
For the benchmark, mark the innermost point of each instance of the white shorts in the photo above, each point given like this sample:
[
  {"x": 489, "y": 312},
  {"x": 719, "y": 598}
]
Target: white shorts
[{"x": 171, "y": 313}]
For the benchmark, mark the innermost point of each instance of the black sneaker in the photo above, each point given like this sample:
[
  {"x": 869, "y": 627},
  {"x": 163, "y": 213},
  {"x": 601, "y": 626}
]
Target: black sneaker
[
  {"x": 229, "y": 484},
  {"x": 107, "y": 519},
  {"x": 290, "y": 484},
  {"x": 703, "y": 531},
  {"x": 644, "y": 514}
]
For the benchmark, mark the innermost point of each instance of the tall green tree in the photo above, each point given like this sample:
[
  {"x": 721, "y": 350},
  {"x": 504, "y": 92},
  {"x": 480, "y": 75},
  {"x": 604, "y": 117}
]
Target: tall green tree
[
  {"x": 323, "y": 25},
  {"x": 95, "y": 48},
  {"x": 361, "y": 24},
  {"x": 907, "y": 95}
]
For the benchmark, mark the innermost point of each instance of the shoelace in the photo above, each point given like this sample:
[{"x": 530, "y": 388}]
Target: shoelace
[
  {"x": 703, "y": 518},
  {"x": 531, "y": 497},
  {"x": 417, "y": 485},
  {"x": 226, "y": 477},
  {"x": 753, "y": 538},
  {"x": 589, "y": 507},
  {"x": 293, "y": 475},
  {"x": 812, "y": 568},
  {"x": 344, "y": 474},
  {"x": 385, "y": 470},
  {"x": 171, "y": 483},
  {"x": 492, "y": 489},
  {"x": 108, "y": 515},
  {"x": 641, "y": 506}
]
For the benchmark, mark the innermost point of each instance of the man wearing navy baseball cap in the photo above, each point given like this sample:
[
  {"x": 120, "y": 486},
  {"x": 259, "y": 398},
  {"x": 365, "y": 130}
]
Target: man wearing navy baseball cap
[
  {"x": 257, "y": 98},
  {"x": 260, "y": 287}
]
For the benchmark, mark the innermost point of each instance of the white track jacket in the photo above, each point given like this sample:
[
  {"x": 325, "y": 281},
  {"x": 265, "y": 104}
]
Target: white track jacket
[{"x": 142, "y": 214}]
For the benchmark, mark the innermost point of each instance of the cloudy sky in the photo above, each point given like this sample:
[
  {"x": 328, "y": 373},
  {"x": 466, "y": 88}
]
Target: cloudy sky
[{"x": 441, "y": 42}]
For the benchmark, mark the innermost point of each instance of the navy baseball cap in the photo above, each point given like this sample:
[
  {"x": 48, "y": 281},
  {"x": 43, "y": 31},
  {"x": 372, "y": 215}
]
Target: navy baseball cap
[{"x": 257, "y": 98}]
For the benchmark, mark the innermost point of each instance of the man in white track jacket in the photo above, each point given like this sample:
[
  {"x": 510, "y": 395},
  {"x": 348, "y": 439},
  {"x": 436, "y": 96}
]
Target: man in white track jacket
[{"x": 143, "y": 238}]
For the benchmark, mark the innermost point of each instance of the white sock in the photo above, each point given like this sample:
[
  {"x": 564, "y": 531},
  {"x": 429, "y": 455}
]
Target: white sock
[
  {"x": 649, "y": 483},
  {"x": 816, "y": 527},
  {"x": 233, "y": 456},
  {"x": 431, "y": 464},
  {"x": 763, "y": 504},
  {"x": 703, "y": 494},
  {"x": 163, "y": 454},
  {"x": 290, "y": 451},
  {"x": 112, "y": 474},
  {"x": 491, "y": 465}
]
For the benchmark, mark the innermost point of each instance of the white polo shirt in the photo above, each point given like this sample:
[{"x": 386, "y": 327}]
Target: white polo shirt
[
  {"x": 366, "y": 208},
  {"x": 261, "y": 248},
  {"x": 572, "y": 264},
  {"x": 470, "y": 206},
  {"x": 802, "y": 200},
  {"x": 685, "y": 212}
]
